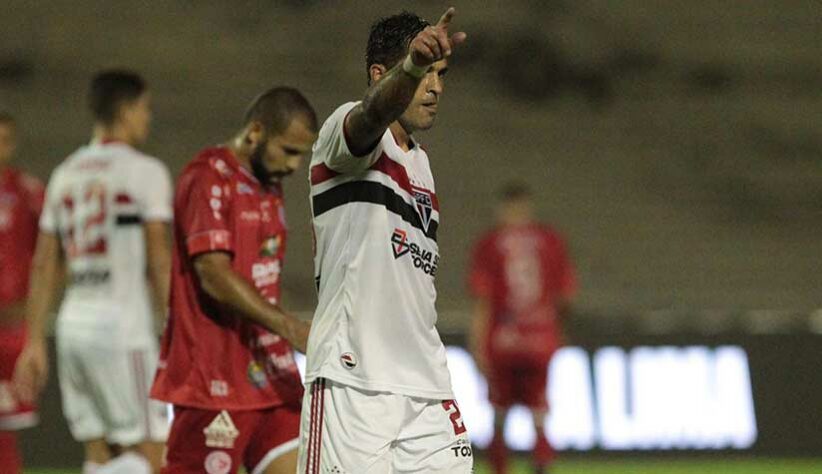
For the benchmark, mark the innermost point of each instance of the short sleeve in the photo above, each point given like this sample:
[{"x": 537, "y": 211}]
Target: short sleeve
[
  {"x": 154, "y": 191},
  {"x": 204, "y": 202},
  {"x": 50, "y": 209},
  {"x": 331, "y": 147},
  {"x": 480, "y": 277}
]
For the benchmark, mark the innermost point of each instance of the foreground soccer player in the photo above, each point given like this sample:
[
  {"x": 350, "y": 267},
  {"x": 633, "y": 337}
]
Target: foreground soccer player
[
  {"x": 227, "y": 363},
  {"x": 523, "y": 282},
  {"x": 21, "y": 199},
  {"x": 380, "y": 395},
  {"x": 106, "y": 218}
]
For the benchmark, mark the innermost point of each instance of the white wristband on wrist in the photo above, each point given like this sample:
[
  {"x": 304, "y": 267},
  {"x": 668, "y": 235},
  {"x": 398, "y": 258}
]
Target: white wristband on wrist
[{"x": 412, "y": 69}]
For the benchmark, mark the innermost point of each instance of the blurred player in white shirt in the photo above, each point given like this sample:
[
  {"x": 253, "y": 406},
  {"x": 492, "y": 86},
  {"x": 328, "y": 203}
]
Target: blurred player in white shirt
[{"x": 105, "y": 220}]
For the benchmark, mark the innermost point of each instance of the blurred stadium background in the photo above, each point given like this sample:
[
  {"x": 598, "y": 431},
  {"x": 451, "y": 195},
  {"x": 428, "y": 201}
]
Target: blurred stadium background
[{"x": 676, "y": 144}]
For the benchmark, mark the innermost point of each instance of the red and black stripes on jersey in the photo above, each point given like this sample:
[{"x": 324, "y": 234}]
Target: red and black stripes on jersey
[{"x": 365, "y": 191}]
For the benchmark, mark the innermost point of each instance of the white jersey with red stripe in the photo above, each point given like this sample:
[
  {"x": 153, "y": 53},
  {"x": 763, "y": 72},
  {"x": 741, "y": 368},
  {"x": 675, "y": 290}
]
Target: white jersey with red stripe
[
  {"x": 375, "y": 221},
  {"x": 96, "y": 201}
]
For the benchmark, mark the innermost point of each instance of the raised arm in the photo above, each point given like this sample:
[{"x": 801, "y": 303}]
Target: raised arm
[
  {"x": 220, "y": 282},
  {"x": 387, "y": 98}
]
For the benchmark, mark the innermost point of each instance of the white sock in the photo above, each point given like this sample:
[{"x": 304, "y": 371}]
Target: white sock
[
  {"x": 90, "y": 467},
  {"x": 126, "y": 463}
]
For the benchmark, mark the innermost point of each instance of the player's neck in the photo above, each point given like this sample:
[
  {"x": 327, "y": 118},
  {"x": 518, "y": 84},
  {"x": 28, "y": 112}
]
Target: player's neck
[
  {"x": 109, "y": 134},
  {"x": 401, "y": 136},
  {"x": 235, "y": 145}
]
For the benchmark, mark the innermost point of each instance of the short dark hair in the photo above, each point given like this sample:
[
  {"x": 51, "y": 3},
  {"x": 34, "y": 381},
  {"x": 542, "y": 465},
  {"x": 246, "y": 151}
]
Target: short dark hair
[
  {"x": 112, "y": 88},
  {"x": 275, "y": 108},
  {"x": 515, "y": 191},
  {"x": 389, "y": 38},
  {"x": 7, "y": 119}
]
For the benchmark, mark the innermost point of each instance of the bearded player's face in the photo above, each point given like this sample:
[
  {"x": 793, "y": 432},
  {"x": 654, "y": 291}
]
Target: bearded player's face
[
  {"x": 422, "y": 111},
  {"x": 282, "y": 154}
]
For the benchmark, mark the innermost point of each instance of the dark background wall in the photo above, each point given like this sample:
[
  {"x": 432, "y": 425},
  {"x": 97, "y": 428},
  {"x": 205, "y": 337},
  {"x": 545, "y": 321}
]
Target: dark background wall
[{"x": 676, "y": 143}]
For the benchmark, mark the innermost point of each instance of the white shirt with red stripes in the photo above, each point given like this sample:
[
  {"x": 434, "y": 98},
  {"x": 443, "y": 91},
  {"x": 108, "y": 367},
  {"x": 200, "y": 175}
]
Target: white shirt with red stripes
[
  {"x": 96, "y": 201},
  {"x": 375, "y": 222}
]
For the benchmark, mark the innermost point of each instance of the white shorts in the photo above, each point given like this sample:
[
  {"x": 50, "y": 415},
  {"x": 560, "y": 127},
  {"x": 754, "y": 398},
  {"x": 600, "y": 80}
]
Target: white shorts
[
  {"x": 346, "y": 430},
  {"x": 105, "y": 393}
]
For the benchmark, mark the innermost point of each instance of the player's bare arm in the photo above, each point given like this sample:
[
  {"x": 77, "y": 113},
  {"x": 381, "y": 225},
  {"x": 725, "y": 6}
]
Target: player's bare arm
[
  {"x": 158, "y": 259},
  {"x": 219, "y": 281},
  {"x": 31, "y": 372},
  {"x": 387, "y": 98}
]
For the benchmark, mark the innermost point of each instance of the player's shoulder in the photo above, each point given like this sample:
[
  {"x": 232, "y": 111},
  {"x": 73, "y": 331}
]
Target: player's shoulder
[
  {"x": 213, "y": 163},
  {"x": 342, "y": 110}
]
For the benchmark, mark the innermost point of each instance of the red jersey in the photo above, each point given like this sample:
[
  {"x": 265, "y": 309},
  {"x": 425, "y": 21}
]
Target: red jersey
[
  {"x": 21, "y": 200},
  {"x": 212, "y": 358},
  {"x": 522, "y": 271}
]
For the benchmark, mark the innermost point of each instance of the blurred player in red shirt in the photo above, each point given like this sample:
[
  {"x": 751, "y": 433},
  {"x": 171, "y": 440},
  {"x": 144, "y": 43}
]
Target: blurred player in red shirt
[
  {"x": 523, "y": 282},
  {"x": 21, "y": 200},
  {"x": 227, "y": 363}
]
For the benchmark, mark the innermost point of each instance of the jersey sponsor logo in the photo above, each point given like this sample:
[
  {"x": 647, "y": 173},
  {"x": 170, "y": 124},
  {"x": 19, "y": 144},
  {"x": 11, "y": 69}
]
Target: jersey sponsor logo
[
  {"x": 423, "y": 260},
  {"x": 218, "y": 462},
  {"x": 219, "y": 388},
  {"x": 462, "y": 449},
  {"x": 270, "y": 246},
  {"x": 243, "y": 188},
  {"x": 90, "y": 277},
  {"x": 265, "y": 274},
  {"x": 425, "y": 205},
  {"x": 399, "y": 243},
  {"x": 348, "y": 360},
  {"x": 221, "y": 432},
  {"x": 250, "y": 216},
  {"x": 256, "y": 375}
]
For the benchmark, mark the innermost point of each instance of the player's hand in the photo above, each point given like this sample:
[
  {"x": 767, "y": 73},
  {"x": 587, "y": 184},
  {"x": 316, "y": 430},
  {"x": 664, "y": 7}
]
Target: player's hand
[
  {"x": 435, "y": 42},
  {"x": 298, "y": 334},
  {"x": 31, "y": 371}
]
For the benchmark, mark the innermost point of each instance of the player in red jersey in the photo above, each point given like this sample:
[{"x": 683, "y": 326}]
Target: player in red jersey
[
  {"x": 226, "y": 361},
  {"x": 523, "y": 282},
  {"x": 21, "y": 200}
]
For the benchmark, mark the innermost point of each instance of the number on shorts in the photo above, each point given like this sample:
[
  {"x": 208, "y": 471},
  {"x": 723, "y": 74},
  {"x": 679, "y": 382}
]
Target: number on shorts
[{"x": 455, "y": 416}]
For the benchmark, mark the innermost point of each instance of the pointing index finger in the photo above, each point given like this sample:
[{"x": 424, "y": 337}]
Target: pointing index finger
[{"x": 446, "y": 17}]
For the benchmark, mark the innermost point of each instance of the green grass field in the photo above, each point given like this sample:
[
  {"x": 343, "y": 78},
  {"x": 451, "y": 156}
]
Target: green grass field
[{"x": 750, "y": 466}]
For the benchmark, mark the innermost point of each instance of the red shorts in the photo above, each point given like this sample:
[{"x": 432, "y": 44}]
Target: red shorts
[
  {"x": 14, "y": 415},
  {"x": 524, "y": 382},
  {"x": 219, "y": 442}
]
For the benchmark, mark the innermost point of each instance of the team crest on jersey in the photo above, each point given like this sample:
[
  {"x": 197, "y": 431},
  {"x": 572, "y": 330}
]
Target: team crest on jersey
[
  {"x": 218, "y": 462},
  {"x": 399, "y": 243},
  {"x": 256, "y": 375},
  {"x": 221, "y": 432},
  {"x": 425, "y": 205},
  {"x": 270, "y": 246},
  {"x": 348, "y": 360}
]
